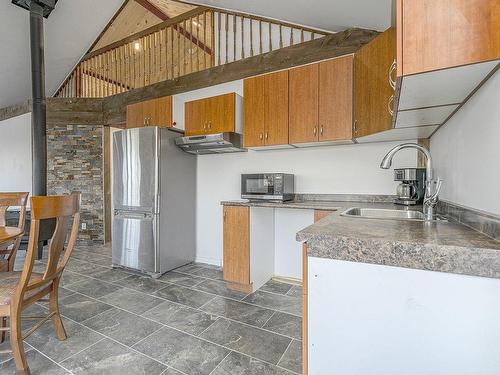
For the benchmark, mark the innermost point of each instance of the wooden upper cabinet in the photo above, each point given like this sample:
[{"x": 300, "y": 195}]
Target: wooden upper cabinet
[
  {"x": 266, "y": 110},
  {"x": 155, "y": 112},
  {"x": 373, "y": 94},
  {"x": 442, "y": 34},
  {"x": 276, "y": 108},
  {"x": 335, "y": 99},
  {"x": 236, "y": 244},
  {"x": 211, "y": 115},
  {"x": 135, "y": 115},
  {"x": 303, "y": 102},
  {"x": 254, "y": 111}
]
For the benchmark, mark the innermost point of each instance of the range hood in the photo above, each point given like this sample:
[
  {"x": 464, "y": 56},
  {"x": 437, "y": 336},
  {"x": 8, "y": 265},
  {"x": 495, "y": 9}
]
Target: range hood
[{"x": 219, "y": 143}]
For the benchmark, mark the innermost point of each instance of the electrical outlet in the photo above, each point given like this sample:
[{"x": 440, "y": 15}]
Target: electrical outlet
[{"x": 84, "y": 226}]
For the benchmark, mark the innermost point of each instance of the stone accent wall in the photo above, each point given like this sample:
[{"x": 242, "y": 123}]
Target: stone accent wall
[{"x": 75, "y": 163}]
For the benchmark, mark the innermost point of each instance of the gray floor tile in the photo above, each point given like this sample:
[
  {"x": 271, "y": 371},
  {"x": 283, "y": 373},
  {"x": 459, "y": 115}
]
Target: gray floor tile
[
  {"x": 92, "y": 257},
  {"x": 171, "y": 371},
  {"x": 239, "y": 364},
  {"x": 182, "y": 352},
  {"x": 111, "y": 275},
  {"x": 132, "y": 300},
  {"x": 94, "y": 288},
  {"x": 38, "y": 364},
  {"x": 188, "y": 268},
  {"x": 63, "y": 293},
  {"x": 291, "y": 305},
  {"x": 79, "y": 337},
  {"x": 240, "y": 311},
  {"x": 276, "y": 287},
  {"x": 108, "y": 357},
  {"x": 285, "y": 324},
  {"x": 220, "y": 288},
  {"x": 209, "y": 273},
  {"x": 84, "y": 268},
  {"x": 292, "y": 359},
  {"x": 181, "y": 278},
  {"x": 181, "y": 317},
  {"x": 69, "y": 278},
  {"x": 80, "y": 308},
  {"x": 122, "y": 326},
  {"x": 141, "y": 283},
  {"x": 252, "y": 341},
  {"x": 296, "y": 291},
  {"x": 184, "y": 296}
]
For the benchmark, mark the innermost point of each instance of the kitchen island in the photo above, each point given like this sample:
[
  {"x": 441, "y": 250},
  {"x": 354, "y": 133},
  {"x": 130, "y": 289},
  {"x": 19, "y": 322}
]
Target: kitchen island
[{"x": 399, "y": 297}]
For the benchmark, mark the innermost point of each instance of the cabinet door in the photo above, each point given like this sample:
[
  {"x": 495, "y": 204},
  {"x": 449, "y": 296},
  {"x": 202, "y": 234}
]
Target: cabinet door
[
  {"x": 303, "y": 90},
  {"x": 195, "y": 120},
  {"x": 163, "y": 115},
  {"x": 135, "y": 115},
  {"x": 221, "y": 113},
  {"x": 372, "y": 91},
  {"x": 335, "y": 99},
  {"x": 236, "y": 248},
  {"x": 254, "y": 111},
  {"x": 150, "y": 112},
  {"x": 276, "y": 108}
]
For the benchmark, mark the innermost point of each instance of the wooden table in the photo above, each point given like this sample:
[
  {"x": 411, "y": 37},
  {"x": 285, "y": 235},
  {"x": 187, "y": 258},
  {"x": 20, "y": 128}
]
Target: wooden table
[{"x": 9, "y": 233}]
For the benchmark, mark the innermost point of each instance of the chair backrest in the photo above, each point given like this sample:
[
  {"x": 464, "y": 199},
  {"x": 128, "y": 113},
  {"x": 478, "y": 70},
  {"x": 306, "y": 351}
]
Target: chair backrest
[
  {"x": 65, "y": 210},
  {"x": 13, "y": 200}
]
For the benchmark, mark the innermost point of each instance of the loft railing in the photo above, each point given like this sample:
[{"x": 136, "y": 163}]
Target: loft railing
[{"x": 199, "y": 39}]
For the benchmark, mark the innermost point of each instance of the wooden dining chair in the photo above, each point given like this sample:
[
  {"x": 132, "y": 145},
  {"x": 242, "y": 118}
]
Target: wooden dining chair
[
  {"x": 8, "y": 250},
  {"x": 19, "y": 290}
]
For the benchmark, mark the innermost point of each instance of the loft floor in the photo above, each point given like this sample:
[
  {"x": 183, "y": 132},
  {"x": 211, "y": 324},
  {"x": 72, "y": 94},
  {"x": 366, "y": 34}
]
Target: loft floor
[{"x": 186, "y": 322}]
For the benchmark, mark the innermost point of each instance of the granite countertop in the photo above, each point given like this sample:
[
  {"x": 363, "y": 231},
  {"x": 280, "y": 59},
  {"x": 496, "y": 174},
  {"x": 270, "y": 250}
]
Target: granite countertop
[
  {"x": 437, "y": 246},
  {"x": 312, "y": 205}
]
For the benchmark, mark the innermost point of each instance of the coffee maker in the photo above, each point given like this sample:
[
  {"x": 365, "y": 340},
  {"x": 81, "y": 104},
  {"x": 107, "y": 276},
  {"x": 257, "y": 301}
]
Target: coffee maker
[{"x": 412, "y": 187}]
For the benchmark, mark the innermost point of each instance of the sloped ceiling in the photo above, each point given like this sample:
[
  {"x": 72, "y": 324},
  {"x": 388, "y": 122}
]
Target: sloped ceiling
[
  {"x": 69, "y": 32},
  {"x": 332, "y": 15}
]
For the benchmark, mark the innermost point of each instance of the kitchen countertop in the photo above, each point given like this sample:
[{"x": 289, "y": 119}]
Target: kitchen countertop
[
  {"x": 311, "y": 205},
  {"x": 437, "y": 246}
]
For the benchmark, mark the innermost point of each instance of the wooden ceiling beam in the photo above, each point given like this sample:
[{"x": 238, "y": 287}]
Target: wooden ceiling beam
[{"x": 164, "y": 17}]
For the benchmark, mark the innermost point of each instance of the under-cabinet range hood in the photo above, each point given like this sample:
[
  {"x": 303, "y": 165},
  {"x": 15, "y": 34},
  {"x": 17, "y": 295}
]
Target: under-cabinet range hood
[{"x": 219, "y": 143}]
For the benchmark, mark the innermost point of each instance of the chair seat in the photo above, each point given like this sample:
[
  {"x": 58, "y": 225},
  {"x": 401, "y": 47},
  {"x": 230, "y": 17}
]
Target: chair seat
[
  {"x": 4, "y": 265},
  {"x": 8, "y": 285}
]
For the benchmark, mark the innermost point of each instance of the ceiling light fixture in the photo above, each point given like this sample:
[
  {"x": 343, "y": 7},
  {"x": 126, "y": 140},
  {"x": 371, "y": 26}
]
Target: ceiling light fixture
[{"x": 137, "y": 46}]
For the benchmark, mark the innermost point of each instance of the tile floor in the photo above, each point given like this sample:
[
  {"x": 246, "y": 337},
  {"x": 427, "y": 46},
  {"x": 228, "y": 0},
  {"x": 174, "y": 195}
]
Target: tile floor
[{"x": 186, "y": 322}]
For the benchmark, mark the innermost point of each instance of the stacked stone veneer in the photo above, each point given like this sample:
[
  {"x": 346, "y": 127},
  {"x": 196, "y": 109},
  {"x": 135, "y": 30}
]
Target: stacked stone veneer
[{"x": 75, "y": 163}]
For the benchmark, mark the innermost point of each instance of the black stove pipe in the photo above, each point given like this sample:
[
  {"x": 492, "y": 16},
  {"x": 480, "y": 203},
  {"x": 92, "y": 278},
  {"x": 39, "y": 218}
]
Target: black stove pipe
[{"x": 39, "y": 111}]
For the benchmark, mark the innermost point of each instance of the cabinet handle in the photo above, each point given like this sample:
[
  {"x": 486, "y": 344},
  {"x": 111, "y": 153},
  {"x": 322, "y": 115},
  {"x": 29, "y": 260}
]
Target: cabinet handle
[
  {"x": 205, "y": 126},
  {"x": 261, "y": 136},
  {"x": 390, "y": 105},
  {"x": 210, "y": 124},
  {"x": 392, "y": 82},
  {"x": 355, "y": 127},
  {"x": 321, "y": 130},
  {"x": 315, "y": 130},
  {"x": 267, "y": 135},
  {"x": 144, "y": 121}
]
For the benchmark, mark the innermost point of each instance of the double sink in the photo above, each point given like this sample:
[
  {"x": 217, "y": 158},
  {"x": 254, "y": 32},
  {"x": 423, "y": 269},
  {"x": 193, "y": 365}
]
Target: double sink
[{"x": 381, "y": 213}]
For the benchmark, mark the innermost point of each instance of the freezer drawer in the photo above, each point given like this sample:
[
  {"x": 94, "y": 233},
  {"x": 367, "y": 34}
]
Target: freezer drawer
[{"x": 135, "y": 241}]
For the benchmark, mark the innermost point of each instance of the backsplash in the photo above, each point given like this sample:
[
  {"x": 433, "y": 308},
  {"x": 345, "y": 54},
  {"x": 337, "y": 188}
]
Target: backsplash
[
  {"x": 75, "y": 163},
  {"x": 483, "y": 222}
]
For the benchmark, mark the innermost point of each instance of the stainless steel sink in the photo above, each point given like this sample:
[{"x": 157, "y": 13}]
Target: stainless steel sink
[{"x": 381, "y": 213}]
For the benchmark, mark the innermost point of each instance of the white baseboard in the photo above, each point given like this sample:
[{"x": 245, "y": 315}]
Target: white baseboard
[{"x": 213, "y": 261}]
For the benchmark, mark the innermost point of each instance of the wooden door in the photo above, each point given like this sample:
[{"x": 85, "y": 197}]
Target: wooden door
[
  {"x": 373, "y": 95},
  {"x": 303, "y": 103},
  {"x": 163, "y": 115},
  {"x": 276, "y": 108},
  {"x": 195, "y": 117},
  {"x": 254, "y": 111},
  {"x": 236, "y": 247},
  {"x": 135, "y": 115},
  {"x": 220, "y": 112},
  {"x": 335, "y": 99},
  {"x": 150, "y": 112}
]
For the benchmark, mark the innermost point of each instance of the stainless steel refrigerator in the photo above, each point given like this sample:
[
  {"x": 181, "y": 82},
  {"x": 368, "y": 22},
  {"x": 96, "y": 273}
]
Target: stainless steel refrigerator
[{"x": 154, "y": 198}]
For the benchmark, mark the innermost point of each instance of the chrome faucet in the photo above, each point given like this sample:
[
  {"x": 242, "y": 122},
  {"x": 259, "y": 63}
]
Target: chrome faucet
[{"x": 431, "y": 196}]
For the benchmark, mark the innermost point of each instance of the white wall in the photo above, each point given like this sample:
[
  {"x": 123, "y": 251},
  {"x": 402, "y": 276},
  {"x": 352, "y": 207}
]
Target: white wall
[
  {"x": 350, "y": 169},
  {"x": 15, "y": 154},
  {"x": 466, "y": 151}
]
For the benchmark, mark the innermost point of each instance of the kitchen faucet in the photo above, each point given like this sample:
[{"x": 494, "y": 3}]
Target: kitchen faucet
[{"x": 431, "y": 194}]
